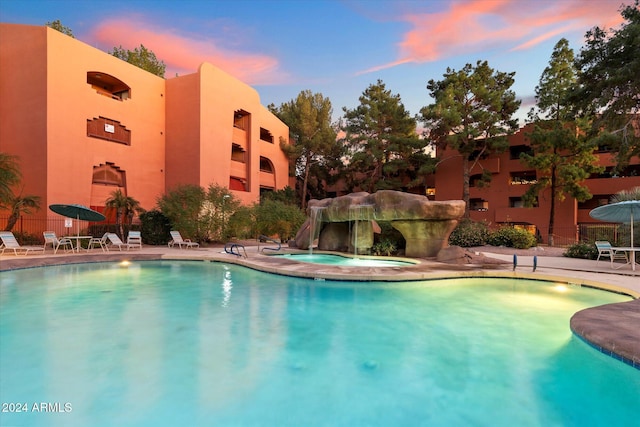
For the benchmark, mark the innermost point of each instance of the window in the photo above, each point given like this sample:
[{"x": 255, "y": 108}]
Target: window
[
  {"x": 237, "y": 153},
  {"x": 108, "y": 174},
  {"x": 108, "y": 86},
  {"x": 474, "y": 180},
  {"x": 265, "y": 135},
  {"x": 518, "y": 202},
  {"x": 478, "y": 205},
  {"x": 266, "y": 165},
  {"x": 516, "y": 150},
  {"x": 521, "y": 178},
  {"x": 111, "y": 130},
  {"x": 241, "y": 119}
]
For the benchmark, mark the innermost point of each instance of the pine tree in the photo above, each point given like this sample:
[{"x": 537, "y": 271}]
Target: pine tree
[
  {"x": 561, "y": 155},
  {"x": 472, "y": 114}
]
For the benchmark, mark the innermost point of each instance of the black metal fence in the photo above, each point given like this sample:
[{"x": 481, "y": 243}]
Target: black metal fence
[{"x": 29, "y": 230}]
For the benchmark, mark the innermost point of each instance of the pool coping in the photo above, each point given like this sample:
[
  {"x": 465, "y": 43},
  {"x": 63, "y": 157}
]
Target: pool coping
[{"x": 613, "y": 329}]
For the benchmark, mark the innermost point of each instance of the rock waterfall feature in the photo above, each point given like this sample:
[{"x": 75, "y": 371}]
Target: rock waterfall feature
[{"x": 347, "y": 223}]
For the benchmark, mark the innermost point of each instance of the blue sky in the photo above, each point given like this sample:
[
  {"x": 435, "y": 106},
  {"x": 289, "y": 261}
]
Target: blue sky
[{"x": 333, "y": 47}]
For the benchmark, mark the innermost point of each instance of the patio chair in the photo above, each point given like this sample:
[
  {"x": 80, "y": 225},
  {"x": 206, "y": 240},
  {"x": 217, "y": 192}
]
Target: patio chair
[
  {"x": 99, "y": 241},
  {"x": 606, "y": 250},
  {"x": 114, "y": 240},
  {"x": 134, "y": 239},
  {"x": 178, "y": 240},
  {"x": 9, "y": 242},
  {"x": 50, "y": 237}
]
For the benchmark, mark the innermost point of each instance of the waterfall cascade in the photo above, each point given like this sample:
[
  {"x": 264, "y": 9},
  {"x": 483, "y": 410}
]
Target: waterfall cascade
[{"x": 360, "y": 217}]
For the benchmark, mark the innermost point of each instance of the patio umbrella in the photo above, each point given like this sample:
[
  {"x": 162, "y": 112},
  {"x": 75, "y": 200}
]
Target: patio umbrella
[
  {"x": 78, "y": 212},
  {"x": 627, "y": 212}
]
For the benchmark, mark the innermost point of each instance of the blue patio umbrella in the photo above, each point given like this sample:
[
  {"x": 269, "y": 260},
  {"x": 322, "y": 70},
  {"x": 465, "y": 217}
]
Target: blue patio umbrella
[
  {"x": 79, "y": 212},
  {"x": 627, "y": 212}
]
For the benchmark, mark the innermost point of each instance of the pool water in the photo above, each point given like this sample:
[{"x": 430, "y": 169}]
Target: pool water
[
  {"x": 328, "y": 259},
  {"x": 178, "y": 343}
]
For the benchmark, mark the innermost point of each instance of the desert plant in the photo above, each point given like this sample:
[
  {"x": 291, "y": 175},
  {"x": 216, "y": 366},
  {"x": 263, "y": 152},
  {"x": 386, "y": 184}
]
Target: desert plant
[{"x": 469, "y": 233}]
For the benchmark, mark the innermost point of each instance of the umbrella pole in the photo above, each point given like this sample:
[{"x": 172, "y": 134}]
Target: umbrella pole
[{"x": 633, "y": 254}]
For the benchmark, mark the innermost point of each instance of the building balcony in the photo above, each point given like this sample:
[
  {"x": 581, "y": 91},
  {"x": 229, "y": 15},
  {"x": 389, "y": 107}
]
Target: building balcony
[{"x": 238, "y": 169}]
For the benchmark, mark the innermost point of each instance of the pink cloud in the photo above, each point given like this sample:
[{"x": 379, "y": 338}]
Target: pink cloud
[
  {"x": 183, "y": 55},
  {"x": 468, "y": 26}
]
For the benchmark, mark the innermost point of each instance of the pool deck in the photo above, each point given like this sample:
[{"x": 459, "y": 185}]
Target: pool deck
[{"x": 614, "y": 328}]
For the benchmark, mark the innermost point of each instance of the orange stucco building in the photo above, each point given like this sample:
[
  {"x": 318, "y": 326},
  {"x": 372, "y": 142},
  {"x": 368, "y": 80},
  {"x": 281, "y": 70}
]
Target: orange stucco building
[
  {"x": 501, "y": 202},
  {"x": 84, "y": 123}
]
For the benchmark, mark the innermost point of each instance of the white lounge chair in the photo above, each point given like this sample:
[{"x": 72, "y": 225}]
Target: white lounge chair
[
  {"x": 178, "y": 240},
  {"x": 114, "y": 240},
  {"x": 9, "y": 242},
  {"x": 50, "y": 237},
  {"x": 605, "y": 250},
  {"x": 134, "y": 239},
  {"x": 99, "y": 241}
]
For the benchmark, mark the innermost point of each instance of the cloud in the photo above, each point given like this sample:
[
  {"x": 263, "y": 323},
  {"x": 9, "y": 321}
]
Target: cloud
[
  {"x": 183, "y": 54},
  {"x": 468, "y": 26}
]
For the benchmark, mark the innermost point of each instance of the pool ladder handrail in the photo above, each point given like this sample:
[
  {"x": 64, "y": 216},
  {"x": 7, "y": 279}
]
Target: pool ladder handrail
[
  {"x": 269, "y": 239},
  {"x": 229, "y": 248}
]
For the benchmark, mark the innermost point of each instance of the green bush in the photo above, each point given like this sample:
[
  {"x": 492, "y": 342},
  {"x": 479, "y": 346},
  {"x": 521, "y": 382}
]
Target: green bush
[
  {"x": 384, "y": 248},
  {"x": 469, "y": 233},
  {"x": 154, "y": 228},
  {"x": 27, "y": 239},
  {"x": 274, "y": 217},
  {"x": 389, "y": 235},
  {"x": 242, "y": 224},
  {"x": 512, "y": 237},
  {"x": 582, "y": 250}
]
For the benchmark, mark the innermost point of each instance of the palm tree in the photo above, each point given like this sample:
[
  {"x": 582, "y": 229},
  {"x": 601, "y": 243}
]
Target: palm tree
[
  {"x": 9, "y": 176},
  {"x": 125, "y": 207},
  {"x": 625, "y": 195},
  {"x": 19, "y": 205}
]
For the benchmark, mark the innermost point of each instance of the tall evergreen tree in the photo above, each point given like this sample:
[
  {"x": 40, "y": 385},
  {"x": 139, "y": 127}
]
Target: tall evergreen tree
[
  {"x": 384, "y": 149},
  {"x": 562, "y": 157},
  {"x": 609, "y": 92},
  {"x": 312, "y": 136},
  {"x": 472, "y": 114}
]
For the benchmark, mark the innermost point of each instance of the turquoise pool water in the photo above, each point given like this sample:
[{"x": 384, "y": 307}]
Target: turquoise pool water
[
  {"x": 197, "y": 343},
  {"x": 328, "y": 259}
]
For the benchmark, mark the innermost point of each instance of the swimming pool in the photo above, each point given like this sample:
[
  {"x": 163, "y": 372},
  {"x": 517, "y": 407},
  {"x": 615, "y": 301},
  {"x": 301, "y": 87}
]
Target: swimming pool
[
  {"x": 345, "y": 261},
  {"x": 198, "y": 343}
]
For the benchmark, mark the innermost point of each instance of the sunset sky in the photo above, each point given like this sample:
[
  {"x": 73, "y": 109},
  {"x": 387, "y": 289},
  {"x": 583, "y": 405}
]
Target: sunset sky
[{"x": 333, "y": 47}]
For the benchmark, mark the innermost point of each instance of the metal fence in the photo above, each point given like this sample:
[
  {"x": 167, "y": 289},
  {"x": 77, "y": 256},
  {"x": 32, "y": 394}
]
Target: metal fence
[{"x": 29, "y": 230}]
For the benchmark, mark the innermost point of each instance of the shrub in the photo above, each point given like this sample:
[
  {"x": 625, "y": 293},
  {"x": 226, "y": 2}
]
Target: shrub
[
  {"x": 512, "y": 237},
  {"x": 242, "y": 224},
  {"x": 582, "y": 250},
  {"x": 384, "y": 247},
  {"x": 274, "y": 217},
  {"x": 469, "y": 233},
  {"x": 390, "y": 235},
  {"x": 155, "y": 227}
]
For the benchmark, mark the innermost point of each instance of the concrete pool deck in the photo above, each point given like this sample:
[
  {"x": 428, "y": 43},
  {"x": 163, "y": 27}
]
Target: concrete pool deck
[{"x": 614, "y": 329}]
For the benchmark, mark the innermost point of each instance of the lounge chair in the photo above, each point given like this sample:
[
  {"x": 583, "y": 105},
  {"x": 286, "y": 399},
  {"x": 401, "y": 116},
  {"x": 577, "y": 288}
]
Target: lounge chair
[
  {"x": 9, "y": 242},
  {"x": 99, "y": 241},
  {"x": 178, "y": 240},
  {"x": 134, "y": 239},
  {"x": 114, "y": 240},
  {"x": 606, "y": 250},
  {"x": 50, "y": 237}
]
